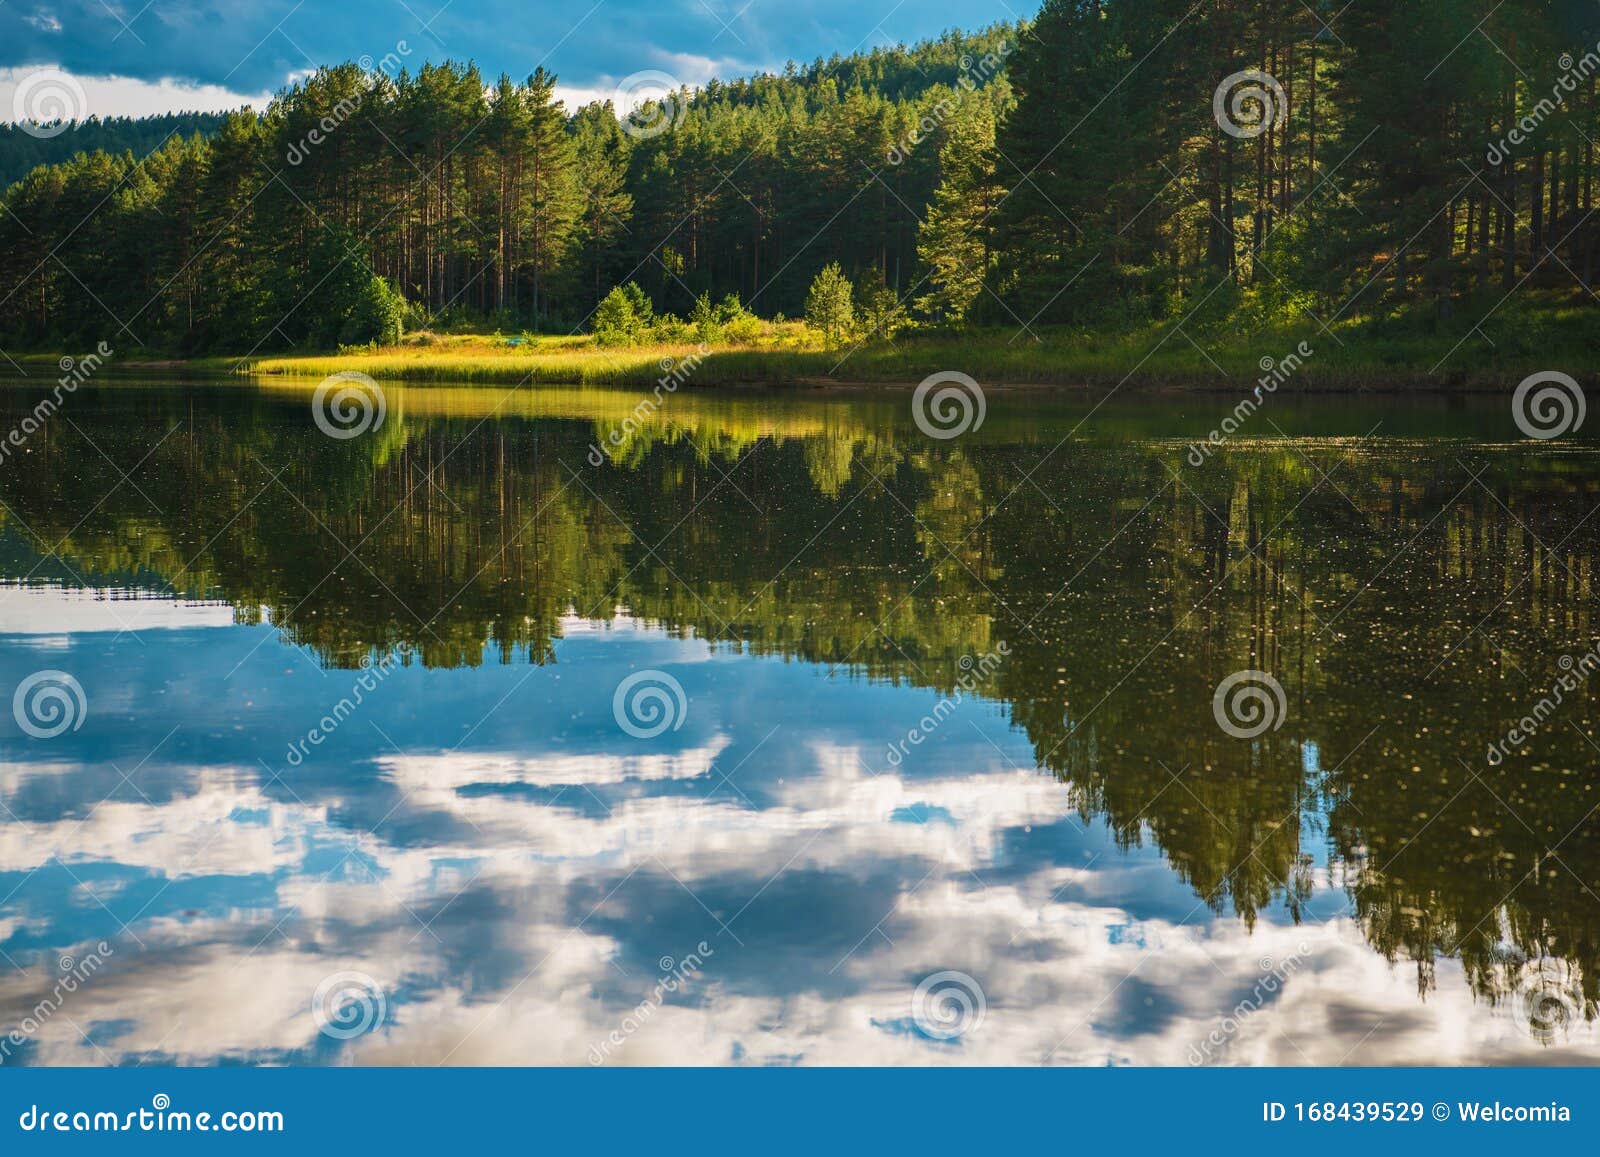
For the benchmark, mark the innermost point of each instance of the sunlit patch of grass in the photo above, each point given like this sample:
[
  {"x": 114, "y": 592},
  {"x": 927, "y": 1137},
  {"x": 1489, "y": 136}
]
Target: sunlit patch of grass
[{"x": 1474, "y": 345}]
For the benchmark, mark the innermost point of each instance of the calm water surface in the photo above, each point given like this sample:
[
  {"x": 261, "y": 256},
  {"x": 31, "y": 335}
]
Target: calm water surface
[{"x": 715, "y": 751}]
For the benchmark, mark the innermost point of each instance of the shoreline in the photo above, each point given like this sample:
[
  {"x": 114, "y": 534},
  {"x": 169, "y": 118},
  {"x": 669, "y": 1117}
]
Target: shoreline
[
  {"x": 1148, "y": 362},
  {"x": 519, "y": 373}
]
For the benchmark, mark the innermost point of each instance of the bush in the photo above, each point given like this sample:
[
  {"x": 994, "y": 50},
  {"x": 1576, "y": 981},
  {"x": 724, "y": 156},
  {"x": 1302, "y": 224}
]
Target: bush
[
  {"x": 830, "y": 304},
  {"x": 624, "y": 317},
  {"x": 377, "y": 317}
]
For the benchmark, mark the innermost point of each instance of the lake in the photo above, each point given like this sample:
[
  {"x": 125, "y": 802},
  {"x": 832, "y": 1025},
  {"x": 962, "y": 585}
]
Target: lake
[{"x": 553, "y": 728}]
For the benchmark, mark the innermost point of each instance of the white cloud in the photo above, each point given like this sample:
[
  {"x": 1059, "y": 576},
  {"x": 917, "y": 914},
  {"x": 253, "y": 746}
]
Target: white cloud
[
  {"x": 111, "y": 96},
  {"x": 44, "y": 611}
]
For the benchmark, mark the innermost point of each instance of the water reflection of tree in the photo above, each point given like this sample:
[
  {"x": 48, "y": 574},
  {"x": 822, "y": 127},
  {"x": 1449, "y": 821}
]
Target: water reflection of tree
[{"x": 1411, "y": 613}]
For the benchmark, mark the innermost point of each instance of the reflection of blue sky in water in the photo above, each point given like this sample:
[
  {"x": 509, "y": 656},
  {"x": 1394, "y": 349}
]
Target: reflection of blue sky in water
[{"x": 514, "y": 876}]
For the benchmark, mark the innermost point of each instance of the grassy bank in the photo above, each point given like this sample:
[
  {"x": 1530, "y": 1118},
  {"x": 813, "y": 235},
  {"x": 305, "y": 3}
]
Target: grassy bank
[{"x": 1400, "y": 353}]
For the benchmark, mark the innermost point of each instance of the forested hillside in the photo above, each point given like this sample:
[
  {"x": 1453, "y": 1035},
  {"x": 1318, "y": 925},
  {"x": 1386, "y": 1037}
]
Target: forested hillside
[
  {"x": 485, "y": 198},
  {"x": 1111, "y": 164},
  {"x": 22, "y": 151}
]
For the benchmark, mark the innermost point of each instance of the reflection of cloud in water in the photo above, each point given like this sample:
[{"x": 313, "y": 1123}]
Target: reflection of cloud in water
[
  {"x": 515, "y": 897},
  {"x": 45, "y": 612}
]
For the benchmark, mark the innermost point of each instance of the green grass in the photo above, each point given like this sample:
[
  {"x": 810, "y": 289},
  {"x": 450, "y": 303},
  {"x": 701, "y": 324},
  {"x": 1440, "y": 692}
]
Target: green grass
[{"x": 1412, "y": 351}]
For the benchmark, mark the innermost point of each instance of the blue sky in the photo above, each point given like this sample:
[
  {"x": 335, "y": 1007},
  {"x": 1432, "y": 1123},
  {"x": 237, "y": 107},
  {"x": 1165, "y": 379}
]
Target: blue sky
[{"x": 134, "y": 56}]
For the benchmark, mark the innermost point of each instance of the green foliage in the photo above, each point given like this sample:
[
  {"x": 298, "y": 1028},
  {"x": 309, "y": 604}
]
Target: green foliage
[
  {"x": 1062, "y": 190},
  {"x": 481, "y": 201},
  {"x": 623, "y": 317},
  {"x": 727, "y": 320},
  {"x": 21, "y": 151},
  {"x": 830, "y": 304},
  {"x": 953, "y": 240},
  {"x": 879, "y": 313},
  {"x": 378, "y": 317},
  {"x": 1354, "y": 164}
]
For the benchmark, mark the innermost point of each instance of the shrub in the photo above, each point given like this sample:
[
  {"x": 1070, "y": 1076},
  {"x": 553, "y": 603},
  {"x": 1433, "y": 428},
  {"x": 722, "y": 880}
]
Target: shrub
[
  {"x": 377, "y": 316},
  {"x": 624, "y": 317},
  {"x": 830, "y": 304}
]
